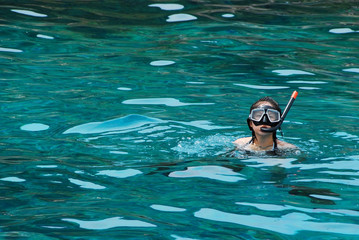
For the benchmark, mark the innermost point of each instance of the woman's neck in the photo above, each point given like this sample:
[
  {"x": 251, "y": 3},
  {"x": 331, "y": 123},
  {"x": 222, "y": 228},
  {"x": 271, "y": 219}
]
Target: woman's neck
[{"x": 263, "y": 142}]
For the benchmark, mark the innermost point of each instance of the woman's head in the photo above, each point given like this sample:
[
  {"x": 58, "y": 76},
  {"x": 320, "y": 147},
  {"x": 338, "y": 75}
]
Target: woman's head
[{"x": 266, "y": 114}]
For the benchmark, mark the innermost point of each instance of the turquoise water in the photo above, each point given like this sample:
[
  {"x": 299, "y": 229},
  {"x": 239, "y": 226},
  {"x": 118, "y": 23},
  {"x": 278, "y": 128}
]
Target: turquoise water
[{"x": 116, "y": 117}]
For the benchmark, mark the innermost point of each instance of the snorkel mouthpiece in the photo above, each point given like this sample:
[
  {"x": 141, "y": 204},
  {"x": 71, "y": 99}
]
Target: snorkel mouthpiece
[{"x": 285, "y": 112}]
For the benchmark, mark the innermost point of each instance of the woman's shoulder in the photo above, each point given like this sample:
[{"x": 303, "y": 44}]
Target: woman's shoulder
[
  {"x": 286, "y": 146},
  {"x": 242, "y": 141}
]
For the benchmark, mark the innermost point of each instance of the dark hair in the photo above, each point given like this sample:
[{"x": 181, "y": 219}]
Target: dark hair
[{"x": 266, "y": 99}]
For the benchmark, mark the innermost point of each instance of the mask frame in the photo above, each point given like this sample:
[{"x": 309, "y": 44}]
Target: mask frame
[{"x": 265, "y": 119}]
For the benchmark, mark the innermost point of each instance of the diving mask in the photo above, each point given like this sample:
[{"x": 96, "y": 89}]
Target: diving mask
[{"x": 266, "y": 115}]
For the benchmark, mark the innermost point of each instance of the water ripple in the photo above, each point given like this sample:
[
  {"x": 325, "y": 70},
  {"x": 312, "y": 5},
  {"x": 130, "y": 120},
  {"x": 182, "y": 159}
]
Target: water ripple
[
  {"x": 289, "y": 224},
  {"x": 167, "y": 6},
  {"x": 342, "y": 30},
  {"x": 29, "y": 13},
  {"x": 84, "y": 184},
  {"x": 273, "y": 207},
  {"x": 181, "y": 17},
  {"x": 161, "y": 63},
  {"x": 10, "y": 50},
  {"x": 34, "y": 127},
  {"x": 347, "y": 182},
  {"x": 211, "y": 172},
  {"x": 108, "y": 223},
  {"x": 176, "y": 237},
  {"x": 289, "y": 72},
  {"x": 120, "y": 173},
  {"x": 171, "y": 102},
  {"x": 12, "y": 179},
  {"x": 263, "y": 87},
  {"x": 44, "y": 36},
  {"x": 288, "y": 163},
  {"x": 354, "y": 70},
  {"x": 307, "y": 82},
  {"x": 165, "y": 208},
  {"x": 123, "y": 123}
]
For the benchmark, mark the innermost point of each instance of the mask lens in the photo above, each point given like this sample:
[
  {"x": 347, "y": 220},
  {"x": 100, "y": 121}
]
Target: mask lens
[
  {"x": 257, "y": 114},
  {"x": 273, "y": 115}
]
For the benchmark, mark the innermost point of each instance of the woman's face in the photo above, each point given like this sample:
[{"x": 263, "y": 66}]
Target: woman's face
[{"x": 257, "y": 129}]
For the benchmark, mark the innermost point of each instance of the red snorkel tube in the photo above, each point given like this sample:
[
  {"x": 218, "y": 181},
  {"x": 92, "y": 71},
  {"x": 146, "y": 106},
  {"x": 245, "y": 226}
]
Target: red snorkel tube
[{"x": 286, "y": 110}]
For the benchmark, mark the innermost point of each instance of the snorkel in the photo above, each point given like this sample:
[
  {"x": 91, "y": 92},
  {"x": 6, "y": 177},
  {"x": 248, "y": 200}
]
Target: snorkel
[{"x": 285, "y": 112}]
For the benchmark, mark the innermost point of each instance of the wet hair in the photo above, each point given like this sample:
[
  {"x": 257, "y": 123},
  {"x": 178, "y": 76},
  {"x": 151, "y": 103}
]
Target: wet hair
[{"x": 274, "y": 104}]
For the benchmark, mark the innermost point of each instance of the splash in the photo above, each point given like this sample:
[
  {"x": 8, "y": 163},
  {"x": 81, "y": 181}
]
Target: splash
[{"x": 205, "y": 146}]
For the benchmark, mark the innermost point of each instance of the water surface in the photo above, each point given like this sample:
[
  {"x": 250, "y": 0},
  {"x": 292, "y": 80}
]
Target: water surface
[{"x": 117, "y": 117}]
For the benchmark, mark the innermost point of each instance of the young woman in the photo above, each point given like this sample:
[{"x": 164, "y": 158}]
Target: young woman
[{"x": 264, "y": 113}]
